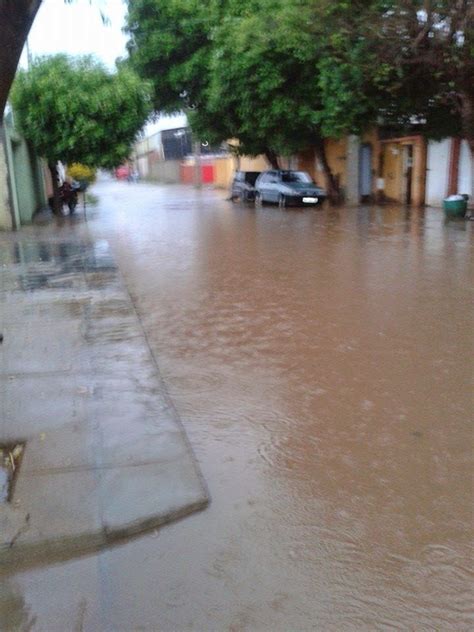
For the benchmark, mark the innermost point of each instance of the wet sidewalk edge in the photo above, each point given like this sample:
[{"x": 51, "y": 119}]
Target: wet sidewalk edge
[{"x": 106, "y": 456}]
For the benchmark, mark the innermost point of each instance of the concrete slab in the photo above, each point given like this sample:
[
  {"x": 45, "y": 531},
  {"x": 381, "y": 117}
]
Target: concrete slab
[
  {"x": 45, "y": 348},
  {"x": 16, "y": 311},
  {"x": 106, "y": 456},
  {"x": 153, "y": 445},
  {"x": 62, "y": 507},
  {"x": 13, "y": 522},
  {"x": 149, "y": 495},
  {"x": 35, "y": 404},
  {"x": 72, "y": 446}
]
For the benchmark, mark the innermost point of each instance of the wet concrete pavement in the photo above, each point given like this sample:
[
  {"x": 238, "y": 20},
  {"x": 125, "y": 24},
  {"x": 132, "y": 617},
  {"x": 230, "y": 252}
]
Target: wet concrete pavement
[
  {"x": 92, "y": 446},
  {"x": 321, "y": 363}
]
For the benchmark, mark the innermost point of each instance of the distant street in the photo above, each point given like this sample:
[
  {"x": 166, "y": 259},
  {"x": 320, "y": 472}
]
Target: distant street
[{"x": 320, "y": 362}]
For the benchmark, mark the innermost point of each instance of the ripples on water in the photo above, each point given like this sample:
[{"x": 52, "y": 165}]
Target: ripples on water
[{"x": 320, "y": 360}]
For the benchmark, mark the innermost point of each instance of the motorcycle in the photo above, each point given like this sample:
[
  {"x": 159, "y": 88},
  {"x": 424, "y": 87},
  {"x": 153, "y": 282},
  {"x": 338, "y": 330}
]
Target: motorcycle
[{"x": 68, "y": 195}]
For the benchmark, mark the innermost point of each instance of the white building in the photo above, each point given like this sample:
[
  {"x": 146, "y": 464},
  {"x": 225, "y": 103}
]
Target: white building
[{"x": 440, "y": 167}]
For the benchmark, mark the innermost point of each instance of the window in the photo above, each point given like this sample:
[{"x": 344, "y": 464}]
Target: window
[
  {"x": 251, "y": 176},
  {"x": 296, "y": 176}
]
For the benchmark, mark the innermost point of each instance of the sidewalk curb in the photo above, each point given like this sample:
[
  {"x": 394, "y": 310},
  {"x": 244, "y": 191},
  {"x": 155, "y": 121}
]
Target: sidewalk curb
[
  {"x": 61, "y": 549},
  {"x": 107, "y": 457}
]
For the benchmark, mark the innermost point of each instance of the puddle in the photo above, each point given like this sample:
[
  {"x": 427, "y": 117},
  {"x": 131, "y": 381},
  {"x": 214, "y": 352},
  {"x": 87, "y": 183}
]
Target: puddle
[{"x": 10, "y": 460}]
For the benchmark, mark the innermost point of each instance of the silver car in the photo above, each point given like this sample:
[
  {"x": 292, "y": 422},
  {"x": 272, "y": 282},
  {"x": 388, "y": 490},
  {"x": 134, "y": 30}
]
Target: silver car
[{"x": 288, "y": 187}]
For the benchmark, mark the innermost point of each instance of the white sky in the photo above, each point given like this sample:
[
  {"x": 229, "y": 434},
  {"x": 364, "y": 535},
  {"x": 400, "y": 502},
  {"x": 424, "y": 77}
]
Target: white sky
[{"x": 77, "y": 29}]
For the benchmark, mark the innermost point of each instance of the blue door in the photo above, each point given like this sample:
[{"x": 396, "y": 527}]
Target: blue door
[{"x": 365, "y": 171}]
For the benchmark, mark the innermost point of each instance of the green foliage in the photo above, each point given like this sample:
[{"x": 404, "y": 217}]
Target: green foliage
[
  {"x": 169, "y": 45},
  {"x": 425, "y": 65},
  {"x": 283, "y": 74},
  {"x": 74, "y": 110},
  {"x": 265, "y": 73}
]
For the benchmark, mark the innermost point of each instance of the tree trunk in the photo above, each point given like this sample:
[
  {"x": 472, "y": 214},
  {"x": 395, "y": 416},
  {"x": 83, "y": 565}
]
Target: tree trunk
[
  {"x": 332, "y": 187},
  {"x": 272, "y": 158},
  {"x": 56, "y": 205},
  {"x": 16, "y": 18}
]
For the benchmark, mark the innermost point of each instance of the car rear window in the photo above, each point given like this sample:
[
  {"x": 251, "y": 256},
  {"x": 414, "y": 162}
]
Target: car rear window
[
  {"x": 251, "y": 177},
  {"x": 295, "y": 176}
]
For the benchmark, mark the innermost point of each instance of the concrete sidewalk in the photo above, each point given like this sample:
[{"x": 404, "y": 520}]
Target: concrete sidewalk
[{"x": 106, "y": 456}]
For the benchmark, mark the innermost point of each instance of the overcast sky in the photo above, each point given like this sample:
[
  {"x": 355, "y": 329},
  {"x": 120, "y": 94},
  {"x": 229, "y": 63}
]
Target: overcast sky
[{"x": 77, "y": 29}]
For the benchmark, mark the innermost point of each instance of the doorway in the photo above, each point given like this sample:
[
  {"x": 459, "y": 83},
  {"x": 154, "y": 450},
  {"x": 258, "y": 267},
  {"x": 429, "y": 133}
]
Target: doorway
[
  {"x": 365, "y": 172},
  {"x": 407, "y": 181}
]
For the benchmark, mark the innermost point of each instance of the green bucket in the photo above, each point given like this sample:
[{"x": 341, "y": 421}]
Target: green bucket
[{"x": 455, "y": 208}]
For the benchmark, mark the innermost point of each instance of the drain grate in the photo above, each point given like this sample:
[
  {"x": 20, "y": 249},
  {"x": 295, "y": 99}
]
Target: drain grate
[{"x": 10, "y": 461}]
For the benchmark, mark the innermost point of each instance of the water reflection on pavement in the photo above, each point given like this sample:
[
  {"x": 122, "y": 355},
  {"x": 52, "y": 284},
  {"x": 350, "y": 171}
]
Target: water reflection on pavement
[{"x": 321, "y": 363}]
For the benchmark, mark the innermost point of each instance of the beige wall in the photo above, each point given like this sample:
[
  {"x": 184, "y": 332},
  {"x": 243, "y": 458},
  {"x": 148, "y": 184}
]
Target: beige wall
[
  {"x": 166, "y": 171},
  {"x": 223, "y": 171},
  {"x": 225, "y": 166},
  {"x": 393, "y": 169},
  {"x": 260, "y": 163},
  {"x": 419, "y": 172},
  {"x": 336, "y": 153},
  {"x": 391, "y": 153}
]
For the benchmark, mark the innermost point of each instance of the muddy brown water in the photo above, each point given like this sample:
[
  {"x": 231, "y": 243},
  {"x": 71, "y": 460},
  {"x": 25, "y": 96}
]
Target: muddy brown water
[{"x": 321, "y": 361}]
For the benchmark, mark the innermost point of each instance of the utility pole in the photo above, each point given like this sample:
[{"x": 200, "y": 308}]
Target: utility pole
[
  {"x": 29, "y": 58},
  {"x": 197, "y": 164}
]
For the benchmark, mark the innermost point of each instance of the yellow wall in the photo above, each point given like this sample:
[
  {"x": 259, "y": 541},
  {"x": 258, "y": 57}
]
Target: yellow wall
[
  {"x": 259, "y": 163},
  {"x": 392, "y": 171},
  {"x": 336, "y": 151},
  {"x": 223, "y": 171},
  {"x": 225, "y": 166},
  {"x": 336, "y": 154}
]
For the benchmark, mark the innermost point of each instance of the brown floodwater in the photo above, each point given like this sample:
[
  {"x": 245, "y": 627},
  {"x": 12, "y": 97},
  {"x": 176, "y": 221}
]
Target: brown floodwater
[{"x": 321, "y": 362}]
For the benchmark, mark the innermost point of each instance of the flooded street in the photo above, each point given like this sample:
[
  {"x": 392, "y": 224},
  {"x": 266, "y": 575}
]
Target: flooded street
[{"x": 321, "y": 362}]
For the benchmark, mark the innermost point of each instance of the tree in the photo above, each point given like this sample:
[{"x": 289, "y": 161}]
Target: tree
[
  {"x": 427, "y": 50},
  {"x": 255, "y": 71},
  {"x": 74, "y": 110},
  {"x": 276, "y": 79},
  {"x": 16, "y": 18},
  {"x": 282, "y": 75}
]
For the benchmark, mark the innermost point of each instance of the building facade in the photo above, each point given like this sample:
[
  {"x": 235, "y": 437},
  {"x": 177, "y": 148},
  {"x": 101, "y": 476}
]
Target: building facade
[
  {"x": 381, "y": 168},
  {"x": 24, "y": 182}
]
